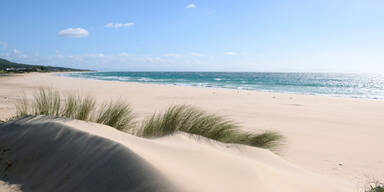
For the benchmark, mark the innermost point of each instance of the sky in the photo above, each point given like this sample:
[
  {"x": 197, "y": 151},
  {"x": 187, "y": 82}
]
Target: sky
[{"x": 196, "y": 35}]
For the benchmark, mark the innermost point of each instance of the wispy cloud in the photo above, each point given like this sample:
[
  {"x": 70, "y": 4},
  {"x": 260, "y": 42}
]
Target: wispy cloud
[
  {"x": 5, "y": 54},
  {"x": 119, "y": 25},
  {"x": 3, "y": 44},
  {"x": 124, "y": 54},
  {"x": 230, "y": 53},
  {"x": 73, "y": 32},
  {"x": 191, "y": 6},
  {"x": 194, "y": 54},
  {"x": 15, "y": 51},
  {"x": 94, "y": 55},
  {"x": 172, "y": 55}
]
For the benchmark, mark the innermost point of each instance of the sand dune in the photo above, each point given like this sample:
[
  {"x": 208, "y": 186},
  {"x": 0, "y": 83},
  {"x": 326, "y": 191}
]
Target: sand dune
[
  {"x": 70, "y": 155},
  {"x": 43, "y": 155},
  {"x": 334, "y": 137}
]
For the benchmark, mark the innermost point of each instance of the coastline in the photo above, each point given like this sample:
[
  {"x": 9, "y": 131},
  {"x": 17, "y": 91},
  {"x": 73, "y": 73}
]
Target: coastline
[
  {"x": 206, "y": 82},
  {"x": 332, "y": 136}
]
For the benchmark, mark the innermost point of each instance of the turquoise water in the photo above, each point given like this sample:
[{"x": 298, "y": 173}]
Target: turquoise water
[{"x": 331, "y": 84}]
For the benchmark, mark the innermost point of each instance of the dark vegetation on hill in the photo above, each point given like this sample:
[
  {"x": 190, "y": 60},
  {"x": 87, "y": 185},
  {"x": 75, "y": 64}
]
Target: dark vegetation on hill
[{"x": 11, "y": 67}]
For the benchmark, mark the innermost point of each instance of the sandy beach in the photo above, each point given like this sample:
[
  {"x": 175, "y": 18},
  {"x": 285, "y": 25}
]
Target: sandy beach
[{"x": 336, "y": 138}]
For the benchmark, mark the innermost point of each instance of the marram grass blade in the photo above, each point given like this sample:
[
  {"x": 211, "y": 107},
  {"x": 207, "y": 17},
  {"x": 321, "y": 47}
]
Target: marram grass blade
[
  {"x": 51, "y": 103},
  {"x": 177, "y": 118},
  {"x": 22, "y": 107},
  {"x": 85, "y": 106},
  {"x": 194, "y": 121},
  {"x": 46, "y": 102},
  {"x": 118, "y": 115}
]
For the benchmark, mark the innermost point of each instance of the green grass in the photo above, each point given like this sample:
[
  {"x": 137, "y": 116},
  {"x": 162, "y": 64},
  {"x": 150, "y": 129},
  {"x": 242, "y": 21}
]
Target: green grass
[
  {"x": 375, "y": 186},
  {"x": 119, "y": 114},
  {"x": 51, "y": 103},
  {"x": 46, "y": 102},
  {"x": 376, "y": 189},
  {"x": 85, "y": 106},
  {"x": 191, "y": 120},
  {"x": 22, "y": 107},
  {"x": 70, "y": 107}
]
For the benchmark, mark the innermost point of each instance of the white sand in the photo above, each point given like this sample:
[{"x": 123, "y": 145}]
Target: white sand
[
  {"x": 43, "y": 155},
  {"x": 59, "y": 155},
  {"x": 6, "y": 187},
  {"x": 336, "y": 137}
]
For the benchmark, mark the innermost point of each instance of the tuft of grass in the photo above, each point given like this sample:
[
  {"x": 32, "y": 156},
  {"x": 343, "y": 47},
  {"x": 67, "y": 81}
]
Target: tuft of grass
[
  {"x": 78, "y": 107},
  {"x": 194, "y": 121},
  {"x": 22, "y": 107},
  {"x": 70, "y": 106},
  {"x": 187, "y": 119},
  {"x": 46, "y": 102},
  {"x": 375, "y": 186},
  {"x": 84, "y": 107},
  {"x": 51, "y": 103},
  {"x": 376, "y": 189},
  {"x": 118, "y": 115},
  {"x": 266, "y": 139}
]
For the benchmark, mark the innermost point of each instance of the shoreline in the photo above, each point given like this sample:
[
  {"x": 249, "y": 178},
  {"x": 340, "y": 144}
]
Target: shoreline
[
  {"x": 226, "y": 88},
  {"x": 332, "y": 136}
]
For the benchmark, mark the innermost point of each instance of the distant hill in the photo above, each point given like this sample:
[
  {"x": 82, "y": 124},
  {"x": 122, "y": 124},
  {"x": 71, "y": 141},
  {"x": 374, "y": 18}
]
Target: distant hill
[{"x": 8, "y": 66}]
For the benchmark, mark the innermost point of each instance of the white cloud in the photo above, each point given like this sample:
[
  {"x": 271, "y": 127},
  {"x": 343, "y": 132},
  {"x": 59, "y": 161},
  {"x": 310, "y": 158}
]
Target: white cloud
[
  {"x": 4, "y": 54},
  {"x": 191, "y": 6},
  {"x": 73, "y": 32},
  {"x": 23, "y": 56},
  {"x": 125, "y": 54},
  {"x": 172, "y": 55},
  {"x": 153, "y": 59},
  {"x": 4, "y": 44},
  {"x": 109, "y": 25},
  {"x": 230, "y": 53},
  {"x": 119, "y": 25},
  {"x": 15, "y": 51},
  {"x": 94, "y": 55},
  {"x": 194, "y": 54}
]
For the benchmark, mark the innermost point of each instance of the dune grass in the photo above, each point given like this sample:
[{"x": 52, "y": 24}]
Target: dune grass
[
  {"x": 22, "y": 107},
  {"x": 375, "y": 186},
  {"x": 376, "y": 189},
  {"x": 47, "y": 102},
  {"x": 70, "y": 107},
  {"x": 191, "y": 120},
  {"x": 51, "y": 103},
  {"x": 119, "y": 114},
  {"x": 85, "y": 106}
]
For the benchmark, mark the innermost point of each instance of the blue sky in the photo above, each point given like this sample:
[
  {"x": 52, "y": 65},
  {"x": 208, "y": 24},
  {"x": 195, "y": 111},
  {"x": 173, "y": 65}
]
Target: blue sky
[{"x": 199, "y": 35}]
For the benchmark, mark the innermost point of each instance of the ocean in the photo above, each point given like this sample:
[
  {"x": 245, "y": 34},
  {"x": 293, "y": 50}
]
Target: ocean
[{"x": 368, "y": 86}]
